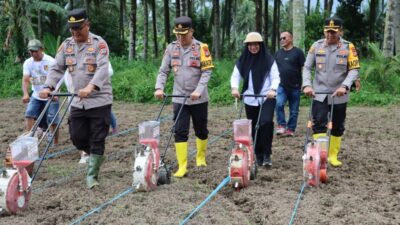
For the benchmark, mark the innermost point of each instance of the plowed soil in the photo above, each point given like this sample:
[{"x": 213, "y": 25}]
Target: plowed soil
[{"x": 365, "y": 190}]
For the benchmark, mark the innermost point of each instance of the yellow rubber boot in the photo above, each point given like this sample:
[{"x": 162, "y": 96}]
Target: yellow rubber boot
[
  {"x": 181, "y": 156},
  {"x": 316, "y": 136},
  {"x": 201, "y": 146},
  {"x": 334, "y": 149}
]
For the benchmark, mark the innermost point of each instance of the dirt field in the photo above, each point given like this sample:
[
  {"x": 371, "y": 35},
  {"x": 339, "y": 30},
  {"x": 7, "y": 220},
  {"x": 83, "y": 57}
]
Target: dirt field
[{"x": 365, "y": 190}]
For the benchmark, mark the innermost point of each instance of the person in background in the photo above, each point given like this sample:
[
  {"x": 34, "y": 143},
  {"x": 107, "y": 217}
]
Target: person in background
[
  {"x": 35, "y": 71},
  {"x": 260, "y": 75},
  {"x": 290, "y": 61}
]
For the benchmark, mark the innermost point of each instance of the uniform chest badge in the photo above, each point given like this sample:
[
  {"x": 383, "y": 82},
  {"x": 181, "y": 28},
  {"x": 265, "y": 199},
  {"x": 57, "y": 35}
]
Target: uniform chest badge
[
  {"x": 69, "y": 61},
  {"x": 195, "y": 54},
  {"x": 90, "y": 49},
  {"x": 46, "y": 67},
  {"x": 342, "y": 52},
  {"x": 321, "y": 51},
  {"x": 175, "y": 53},
  {"x": 69, "y": 50}
]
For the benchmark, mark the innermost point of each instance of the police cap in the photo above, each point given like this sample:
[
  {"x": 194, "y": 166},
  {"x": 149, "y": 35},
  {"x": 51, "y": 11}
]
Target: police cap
[
  {"x": 182, "y": 25},
  {"x": 333, "y": 24},
  {"x": 76, "y": 17}
]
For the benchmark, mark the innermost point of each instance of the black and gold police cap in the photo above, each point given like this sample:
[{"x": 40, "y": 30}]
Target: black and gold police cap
[
  {"x": 76, "y": 17},
  {"x": 182, "y": 25},
  {"x": 333, "y": 24}
]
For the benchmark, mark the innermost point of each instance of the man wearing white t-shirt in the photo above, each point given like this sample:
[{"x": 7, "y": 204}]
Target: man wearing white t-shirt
[{"x": 35, "y": 71}]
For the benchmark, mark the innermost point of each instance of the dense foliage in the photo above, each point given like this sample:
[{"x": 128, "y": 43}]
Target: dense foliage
[{"x": 134, "y": 82}]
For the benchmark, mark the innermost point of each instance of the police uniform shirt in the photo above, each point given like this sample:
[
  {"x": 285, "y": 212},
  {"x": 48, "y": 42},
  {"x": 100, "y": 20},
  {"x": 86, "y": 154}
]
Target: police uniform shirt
[
  {"x": 87, "y": 63},
  {"x": 335, "y": 66},
  {"x": 192, "y": 68},
  {"x": 37, "y": 71}
]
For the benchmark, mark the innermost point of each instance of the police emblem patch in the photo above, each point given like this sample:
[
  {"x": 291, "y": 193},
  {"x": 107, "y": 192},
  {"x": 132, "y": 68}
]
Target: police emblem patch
[
  {"x": 206, "y": 51},
  {"x": 69, "y": 50}
]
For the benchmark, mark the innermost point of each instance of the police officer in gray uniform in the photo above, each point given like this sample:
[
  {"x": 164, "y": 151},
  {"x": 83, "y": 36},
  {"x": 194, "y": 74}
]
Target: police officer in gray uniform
[
  {"x": 85, "y": 56},
  {"x": 336, "y": 67},
  {"x": 190, "y": 60}
]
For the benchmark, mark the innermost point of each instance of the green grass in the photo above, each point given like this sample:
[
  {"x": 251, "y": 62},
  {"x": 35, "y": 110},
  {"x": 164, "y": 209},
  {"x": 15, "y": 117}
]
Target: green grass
[{"x": 134, "y": 82}]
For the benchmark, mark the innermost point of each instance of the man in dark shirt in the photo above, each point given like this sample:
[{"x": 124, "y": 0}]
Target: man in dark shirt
[{"x": 290, "y": 61}]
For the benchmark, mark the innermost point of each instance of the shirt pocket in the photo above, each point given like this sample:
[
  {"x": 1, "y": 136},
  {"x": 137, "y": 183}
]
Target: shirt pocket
[
  {"x": 340, "y": 64},
  {"x": 192, "y": 82},
  {"x": 90, "y": 65}
]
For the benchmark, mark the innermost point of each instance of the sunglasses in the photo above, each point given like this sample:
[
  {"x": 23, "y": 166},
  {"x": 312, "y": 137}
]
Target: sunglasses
[{"x": 282, "y": 38}]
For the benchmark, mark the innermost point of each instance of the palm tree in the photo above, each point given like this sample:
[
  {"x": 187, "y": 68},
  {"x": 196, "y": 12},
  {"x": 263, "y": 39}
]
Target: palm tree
[
  {"x": 145, "y": 29},
  {"x": 166, "y": 22},
  {"x": 258, "y": 15},
  {"x": 20, "y": 27},
  {"x": 216, "y": 29},
  {"x": 388, "y": 40},
  {"x": 154, "y": 16},
  {"x": 132, "y": 30},
  {"x": 298, "y": 23}
]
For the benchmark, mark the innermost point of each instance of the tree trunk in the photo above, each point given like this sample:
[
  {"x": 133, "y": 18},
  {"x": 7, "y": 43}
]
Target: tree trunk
[
  {"x": 87, "y": 6},
  {"x": 258, "y": 15},
  {"x": 184, "y": 8},
  {"x": 132, "y": 26},
  {"x": 266, "y": 20},
  {"x": 146, "y": 29},
  {"x": 154, "y": 15},
  {"x": 274, "y": 26},
  {"x": 178, "y": 8},
  {"x": 326, "y": 8},
  {"x": 71, "y": 4},
  {"x": 121, "y": 19},
  {"x": 278, "y": 27},
  {"x": 298, "y": 23},
  {"x": 190, "y": 8},
  {"x": 166, "y": 23},
  {"x": 372, "y": 17},
  {"x": 388, "y": 39},
  {"x": 397, "y": 28},
  {"x": 216, "y": 29},
  {"x": 40, "y": 28},
  {"x": 308, "y": 7}
]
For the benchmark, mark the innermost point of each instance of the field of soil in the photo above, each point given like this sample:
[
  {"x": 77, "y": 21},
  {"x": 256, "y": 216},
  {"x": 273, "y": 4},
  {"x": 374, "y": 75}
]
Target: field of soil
[{"x": 365, "y": 190}]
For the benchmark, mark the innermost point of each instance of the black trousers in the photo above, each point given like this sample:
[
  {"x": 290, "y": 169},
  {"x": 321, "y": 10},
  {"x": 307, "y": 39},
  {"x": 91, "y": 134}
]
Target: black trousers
[
  {"x": 89, "y": 128},
  {"x": 265, "y": 134},
  {"x": 321, "y": 110},
  {"x": 199, "y": 114}
]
